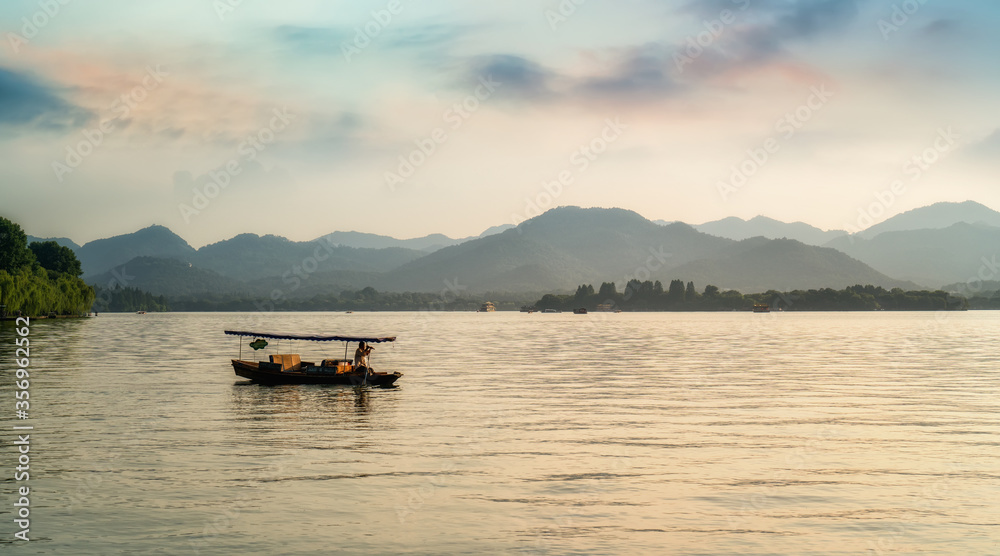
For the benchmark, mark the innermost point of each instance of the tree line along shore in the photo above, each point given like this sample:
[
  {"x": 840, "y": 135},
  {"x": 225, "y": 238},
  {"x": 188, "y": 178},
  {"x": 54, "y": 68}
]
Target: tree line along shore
[
  {"x": 636, "y": 297},
  {"x": 678, "y": 296},
  {"x": 43, "y": 279}
]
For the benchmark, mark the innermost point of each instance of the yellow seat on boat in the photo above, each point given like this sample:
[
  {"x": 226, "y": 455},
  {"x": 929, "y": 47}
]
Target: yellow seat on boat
[{"x": 288, "y": 362}]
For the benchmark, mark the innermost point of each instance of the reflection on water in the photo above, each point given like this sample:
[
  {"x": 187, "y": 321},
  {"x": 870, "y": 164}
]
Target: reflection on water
[
  {"x": 516, "y": 433},
  {"x": 301, "y": 402}
]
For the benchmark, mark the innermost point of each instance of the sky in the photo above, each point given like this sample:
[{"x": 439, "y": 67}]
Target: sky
[{"x": 300, "y": 118}]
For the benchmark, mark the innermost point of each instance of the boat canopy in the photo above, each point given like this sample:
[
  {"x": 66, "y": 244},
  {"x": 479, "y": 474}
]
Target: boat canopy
[{"x": 370, "y": 339}]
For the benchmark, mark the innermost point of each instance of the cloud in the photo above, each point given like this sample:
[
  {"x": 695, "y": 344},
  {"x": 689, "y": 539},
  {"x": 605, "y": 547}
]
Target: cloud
[
  {"x": 765, "y": 28},
  {"x": 759, "y": 39},
  {"x": 810, "y": 18},
  {"x": 645, "y": 70},
  {"x": 986, "y": 149},
  {"x": 313, "y": 40},
  {"x": 425, "y": 36},
  {"x": 941, "y": 27},
  {"x": 517, "y": 75},
  {"x": 332, "y": 40},
  {"x": 27, "y": 102}
]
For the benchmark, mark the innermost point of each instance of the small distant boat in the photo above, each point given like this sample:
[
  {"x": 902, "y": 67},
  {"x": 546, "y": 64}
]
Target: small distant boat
[
  {"x": 580, "y": 311},
  {"x": 487, "y": 307},
  {"x": 761, "y": 308},
  {"x": 290, "y": 369},
  {"x": 528, "y": 309},
  {"x": 551, "y": 311},
  {"x": 140, "y": 312}
]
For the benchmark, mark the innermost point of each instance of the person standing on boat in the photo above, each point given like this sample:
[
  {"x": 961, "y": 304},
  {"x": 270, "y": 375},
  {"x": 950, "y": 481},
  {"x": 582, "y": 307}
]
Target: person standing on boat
[{"x": 361, "y": 355}]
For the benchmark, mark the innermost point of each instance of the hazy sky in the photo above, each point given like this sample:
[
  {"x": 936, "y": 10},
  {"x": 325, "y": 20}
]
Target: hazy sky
[{"x": 115, "y": 115}]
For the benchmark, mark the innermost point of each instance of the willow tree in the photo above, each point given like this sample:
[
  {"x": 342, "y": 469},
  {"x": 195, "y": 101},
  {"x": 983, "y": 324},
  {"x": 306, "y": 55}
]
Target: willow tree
[{"x": 14, "y": 252}]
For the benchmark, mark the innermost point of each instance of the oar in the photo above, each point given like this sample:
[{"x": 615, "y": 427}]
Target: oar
[{"x": 368, "y": 360}]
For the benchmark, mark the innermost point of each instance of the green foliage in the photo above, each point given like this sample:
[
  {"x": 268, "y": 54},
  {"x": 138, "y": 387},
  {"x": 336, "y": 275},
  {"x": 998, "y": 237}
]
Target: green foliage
[
  {"x": 56, "y": 258},
  {"x": 676, "y": 291},
  {"x": 14, "y": 252},
  {"x": 609, "y": 291},
  {"x": 367, "y": 299},
  {"x": 645, "y": 296},
  {"x": 32, "y": 292},
  {"x": 128, "y": 300},
  {"x": 31, "y": 289},
  {"x": 986, "y": 300}
]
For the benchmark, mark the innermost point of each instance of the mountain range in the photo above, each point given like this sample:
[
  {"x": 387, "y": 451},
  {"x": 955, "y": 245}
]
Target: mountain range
[
  {"x": 762, "y": 226},
  {"x": 560, "y": 249}
]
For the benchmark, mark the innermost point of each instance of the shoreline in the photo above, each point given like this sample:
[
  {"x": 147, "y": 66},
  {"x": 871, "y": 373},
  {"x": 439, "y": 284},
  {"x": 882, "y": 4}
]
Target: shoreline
[{"x": 9, "y": 318}]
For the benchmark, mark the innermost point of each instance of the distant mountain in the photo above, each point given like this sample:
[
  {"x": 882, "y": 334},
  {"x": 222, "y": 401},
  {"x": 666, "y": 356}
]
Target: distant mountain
[
  {"x": 251, "y": 257},
  {"x": 931, "y": 257},
  {"x": 760, "y": 264},
  {"x": 64, "y": 241},
  {"x": 762, "y": 226},
  {"x": 985, "y": 288},
  {"x": 936, "y": 216},
  {"x": 428, "y": 243},
  {"x": 100, "y": 255},
  {"x": 569, "y": 246},
  {"x": 557, "y": 250},
  {"x": 174, "y": 278},
  {"x": 168, "y": 277},
  {"x": 317, "y": 284}
]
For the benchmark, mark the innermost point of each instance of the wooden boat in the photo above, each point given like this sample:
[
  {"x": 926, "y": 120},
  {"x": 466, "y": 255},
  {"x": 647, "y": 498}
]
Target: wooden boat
[
  {"x": 580, "y": 311},
  {"x": 290, "y": 369},
  {"x": 761, "y": 308}
]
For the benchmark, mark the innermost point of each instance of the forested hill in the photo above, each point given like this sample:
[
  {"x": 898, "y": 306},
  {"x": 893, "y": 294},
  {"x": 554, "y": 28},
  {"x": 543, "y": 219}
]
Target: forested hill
[{"x": 40, "y": 278}]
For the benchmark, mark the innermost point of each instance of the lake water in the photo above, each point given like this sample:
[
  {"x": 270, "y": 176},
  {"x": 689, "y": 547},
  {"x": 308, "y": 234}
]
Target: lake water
[{"x": 510, "y": 433}]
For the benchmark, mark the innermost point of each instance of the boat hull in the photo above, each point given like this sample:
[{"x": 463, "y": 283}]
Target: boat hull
[{"x": 312, "y": 375}]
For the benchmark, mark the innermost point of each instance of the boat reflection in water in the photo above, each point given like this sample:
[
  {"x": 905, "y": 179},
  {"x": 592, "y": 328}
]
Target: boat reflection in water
[{"x": 297, "y": 406}]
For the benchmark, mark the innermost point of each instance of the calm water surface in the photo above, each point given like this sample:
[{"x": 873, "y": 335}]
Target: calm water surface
[{"x": 512, "y": 433}]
